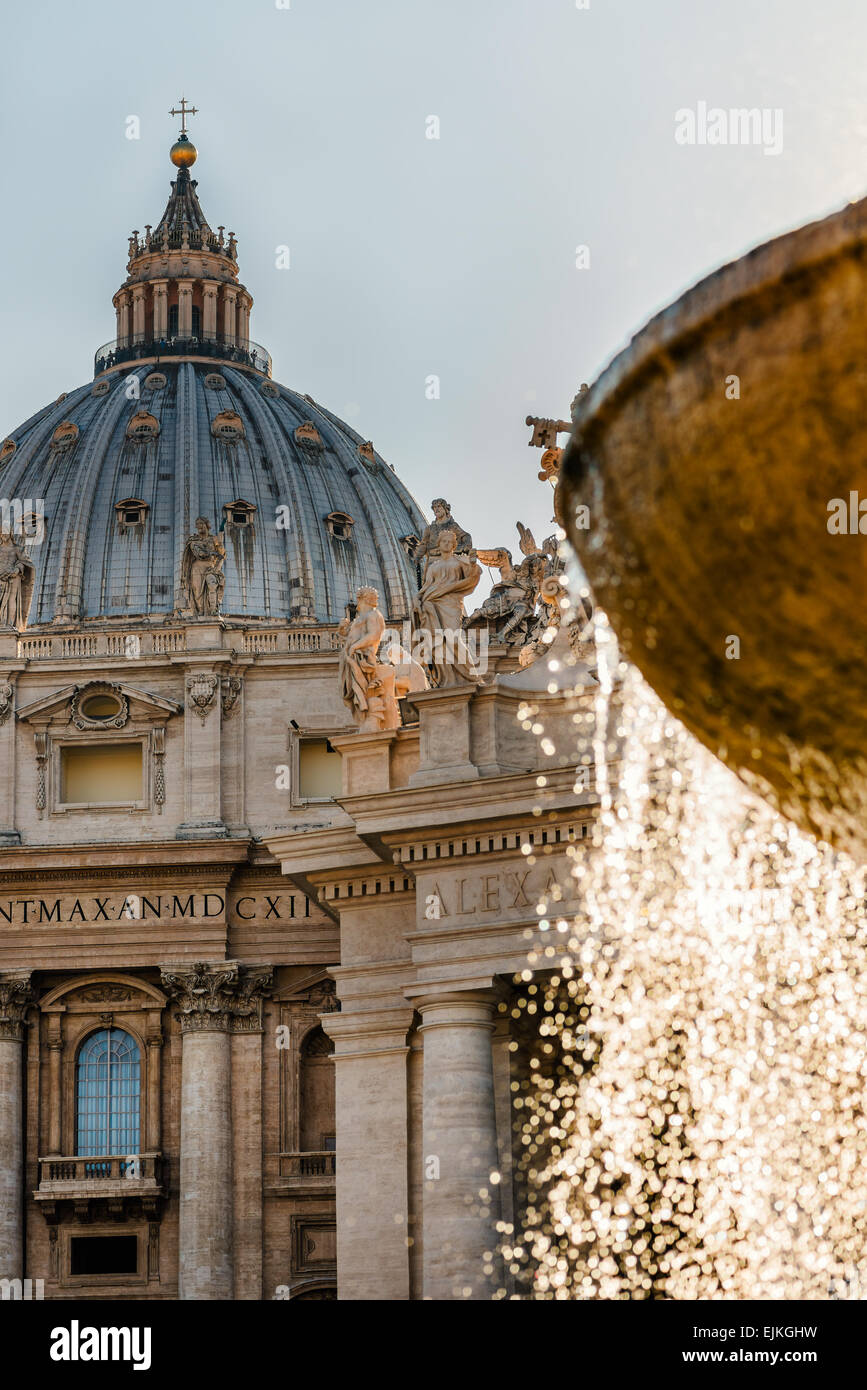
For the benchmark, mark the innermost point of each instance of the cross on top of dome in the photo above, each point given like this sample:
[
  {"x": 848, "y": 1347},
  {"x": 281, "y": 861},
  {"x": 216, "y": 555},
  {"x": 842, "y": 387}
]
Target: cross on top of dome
[{"x": 183, "y": 153}]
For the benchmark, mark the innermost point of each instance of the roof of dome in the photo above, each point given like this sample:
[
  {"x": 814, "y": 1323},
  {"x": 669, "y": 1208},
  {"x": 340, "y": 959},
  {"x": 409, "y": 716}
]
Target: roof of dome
[{"x": 181, "y": 461}]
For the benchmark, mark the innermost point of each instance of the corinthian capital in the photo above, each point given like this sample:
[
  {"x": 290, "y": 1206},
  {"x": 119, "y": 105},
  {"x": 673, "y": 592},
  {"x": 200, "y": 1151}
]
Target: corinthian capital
[
  {"x": 16, "y": 996},
  {"x": 218, "y": 998}
]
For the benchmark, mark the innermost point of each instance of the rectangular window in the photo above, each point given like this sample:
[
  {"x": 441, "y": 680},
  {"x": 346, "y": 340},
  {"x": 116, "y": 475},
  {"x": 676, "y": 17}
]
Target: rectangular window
[
  {"x": 320, "y": 770},
  {"x": 103, "y": 1255},
  {"x": 101, "y": 774}
]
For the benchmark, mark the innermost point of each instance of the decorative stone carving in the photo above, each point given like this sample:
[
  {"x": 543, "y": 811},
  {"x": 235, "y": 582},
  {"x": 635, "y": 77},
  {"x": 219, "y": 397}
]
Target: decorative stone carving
[
  {"x": 104, "y": 994},
  {"x": 159, "y": 752},
  {"x": 16, "y": 996},
  {"x": 367, "y": 684},
  {"x": 84, "y": 693},
  {"x": 41, "y": 741},
  {"x": 323, "y": 997},
  {"x": 202, "y": 692},
  {"x": 219, "y": 998},
  {"x": 429, "y": 545},
  {"x": 202, "y": 578},
  {"x": 230, "y": 695},
  {"x": 438, "y": 610},
  {"x": 17, "y": 573},
  {"x": 6, "y": 697}
]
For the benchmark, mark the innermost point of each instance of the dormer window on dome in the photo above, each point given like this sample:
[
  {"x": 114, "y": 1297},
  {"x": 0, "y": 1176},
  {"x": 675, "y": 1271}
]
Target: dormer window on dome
[
  {"x": 239, "y": 513},
  {"x": 7, "y": 449},
  {"x": 215, "y": 382},
  {"x": 101, "y": 388},
  {"x": 64, "y": 436},
  {"x": 142, "y": 427},
  {"x": 131, "y": 512},
  {"x": 155, "y": 381},
  {"x": 228, "y": 425},
  {"x": 339, "y": 525},
  {"x": 309, "y": 435}
]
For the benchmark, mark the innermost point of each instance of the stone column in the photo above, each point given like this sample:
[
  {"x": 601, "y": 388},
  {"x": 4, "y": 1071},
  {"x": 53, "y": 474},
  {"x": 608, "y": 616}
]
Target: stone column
[
  {"x": 214, "y": 1001},
  {"x": 121, "y": 304},
  {"x": 185, "y": 308},
  {"x": 371, "y": 1176},
  {"x": 138, "y": 313},
  {"x": 153, "y": 1127},
  {"x": 55, "y": 1084},
  {"x": 15, "y": 997},
  {"x": 230, "y": 295},
  {"x": 244, "y": 305},
  {"x": 161, "y": 309},
  {"x": 209, "y": 315},
  {"x": 461, "y": 1204}
]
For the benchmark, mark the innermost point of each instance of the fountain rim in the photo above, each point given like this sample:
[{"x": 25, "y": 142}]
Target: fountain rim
[{"x": 768, "y": 266}]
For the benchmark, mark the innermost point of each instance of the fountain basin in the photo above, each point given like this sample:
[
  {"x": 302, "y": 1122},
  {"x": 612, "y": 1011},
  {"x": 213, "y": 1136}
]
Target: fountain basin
[{"x": 708, "y": 541}]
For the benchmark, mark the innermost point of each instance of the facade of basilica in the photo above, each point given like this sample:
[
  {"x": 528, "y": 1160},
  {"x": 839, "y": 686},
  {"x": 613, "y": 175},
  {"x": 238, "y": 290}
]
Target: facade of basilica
[{"x": 270, "y": 875}]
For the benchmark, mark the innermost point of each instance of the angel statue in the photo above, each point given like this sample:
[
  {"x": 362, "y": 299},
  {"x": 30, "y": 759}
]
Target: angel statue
[
  {"x": 17, "y": 573},
  {"x": 438, "y": 612},
  {"x": 202, "y": 578}
]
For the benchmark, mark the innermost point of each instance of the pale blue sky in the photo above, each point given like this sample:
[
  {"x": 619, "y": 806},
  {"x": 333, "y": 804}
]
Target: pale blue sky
[{"x": 411, "y": 256}]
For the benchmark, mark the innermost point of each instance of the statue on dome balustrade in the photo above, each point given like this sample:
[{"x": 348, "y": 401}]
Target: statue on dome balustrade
[
  {"x": 17, "y": 573},
  {"x": 202, "y": 578}
]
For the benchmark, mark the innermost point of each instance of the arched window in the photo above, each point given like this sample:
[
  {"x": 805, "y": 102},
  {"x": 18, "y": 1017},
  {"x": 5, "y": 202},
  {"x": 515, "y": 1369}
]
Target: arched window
[{"x": 108, "y": 1094}]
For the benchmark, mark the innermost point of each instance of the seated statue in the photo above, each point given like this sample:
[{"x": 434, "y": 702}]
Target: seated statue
[{"x": 367, "y": 684}]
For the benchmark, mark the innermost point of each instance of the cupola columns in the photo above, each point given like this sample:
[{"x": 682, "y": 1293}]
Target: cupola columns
[
  {"x": 230, "y": 294},
  {"x": 210, "y": 290},
  {"x": 121, "y": 304},
  {"x": 138, "y": 313},
  {"x": 160, "y": 309}
]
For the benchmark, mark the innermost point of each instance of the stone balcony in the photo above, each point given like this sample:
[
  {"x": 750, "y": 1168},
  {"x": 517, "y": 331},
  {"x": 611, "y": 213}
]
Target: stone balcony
[{"x": 102, "y": 1176}]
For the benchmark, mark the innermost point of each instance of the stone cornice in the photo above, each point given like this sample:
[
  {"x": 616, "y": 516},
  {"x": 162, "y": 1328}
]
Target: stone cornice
[
  {"x": 167, "y": 859},
  {"x": 463, "y": 803}
]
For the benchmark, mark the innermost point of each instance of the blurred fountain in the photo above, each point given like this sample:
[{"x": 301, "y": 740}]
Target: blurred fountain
[{"x": 694, "y": 1125}]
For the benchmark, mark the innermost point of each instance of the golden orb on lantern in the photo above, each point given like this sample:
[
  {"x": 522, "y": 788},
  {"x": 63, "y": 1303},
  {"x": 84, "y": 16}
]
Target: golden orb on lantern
[{"x": 183, "y": 152}]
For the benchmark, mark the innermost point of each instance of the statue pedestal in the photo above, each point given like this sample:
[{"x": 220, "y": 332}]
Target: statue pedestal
[
  {"x": 444, "y": 736},
  {"x": 8, "y": 643}
]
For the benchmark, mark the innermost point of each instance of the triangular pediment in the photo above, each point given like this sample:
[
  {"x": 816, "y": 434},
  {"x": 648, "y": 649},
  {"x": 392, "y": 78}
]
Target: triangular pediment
[{"x": 42, "y": 711}]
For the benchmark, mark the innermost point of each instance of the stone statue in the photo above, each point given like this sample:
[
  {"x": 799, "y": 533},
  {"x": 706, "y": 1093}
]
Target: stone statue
[
  {"x": 429, "y": 545},
  {"x": 17, "y": 573},
  {"x": 367, "y": 684},
  {"x": 515, "y": 607},
  {"x": 202, "y": 578},
  {"x": 438, "y": 611}
]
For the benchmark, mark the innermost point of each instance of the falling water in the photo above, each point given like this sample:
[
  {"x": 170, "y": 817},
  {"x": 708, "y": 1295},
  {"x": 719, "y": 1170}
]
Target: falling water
[{"x": 703, "y": 1132}]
